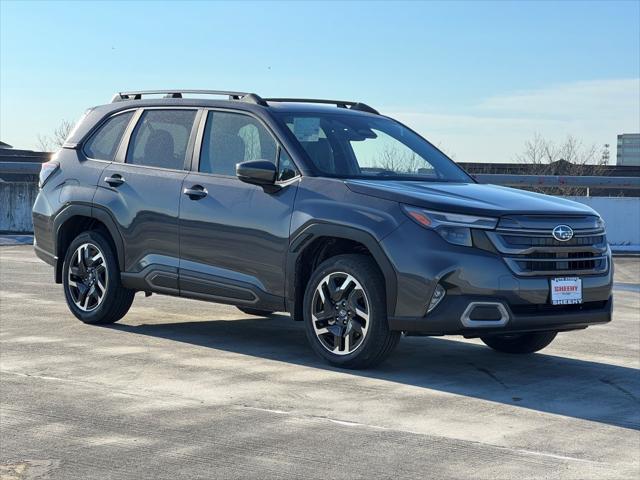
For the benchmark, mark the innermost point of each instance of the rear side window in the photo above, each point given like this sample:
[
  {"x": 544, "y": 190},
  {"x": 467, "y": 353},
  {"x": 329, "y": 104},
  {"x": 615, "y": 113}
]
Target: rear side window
[
  {"x": 160, "y": 139},
  {"x": 104, "y": 143},
  {"x": 230, "y": 138}
]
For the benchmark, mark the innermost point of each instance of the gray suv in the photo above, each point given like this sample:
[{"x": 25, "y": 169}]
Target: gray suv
[{"x": 343, "y": 217}]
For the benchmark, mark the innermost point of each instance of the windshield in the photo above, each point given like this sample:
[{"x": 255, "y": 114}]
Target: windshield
[{"x": 359, "y": 146}]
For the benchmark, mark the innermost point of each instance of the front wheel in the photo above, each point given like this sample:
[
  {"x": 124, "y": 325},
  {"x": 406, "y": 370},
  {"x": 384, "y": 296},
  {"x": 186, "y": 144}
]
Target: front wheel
[
  {"x": 345, "y": 313},
  {"x": 519, "y": 342}
]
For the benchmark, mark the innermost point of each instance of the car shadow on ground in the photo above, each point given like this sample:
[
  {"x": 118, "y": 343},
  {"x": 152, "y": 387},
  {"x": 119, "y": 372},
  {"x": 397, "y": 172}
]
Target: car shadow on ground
[{"x": 547, "y": 383}]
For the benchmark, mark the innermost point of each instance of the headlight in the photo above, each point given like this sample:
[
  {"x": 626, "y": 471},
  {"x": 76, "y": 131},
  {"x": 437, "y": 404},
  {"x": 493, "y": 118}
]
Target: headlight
[{"x": 453, "y": 227}]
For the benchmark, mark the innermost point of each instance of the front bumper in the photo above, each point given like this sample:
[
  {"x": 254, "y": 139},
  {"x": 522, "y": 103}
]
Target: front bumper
[
  {"x": 421, "y": 260},
  {"x": 447, "y": 318}
]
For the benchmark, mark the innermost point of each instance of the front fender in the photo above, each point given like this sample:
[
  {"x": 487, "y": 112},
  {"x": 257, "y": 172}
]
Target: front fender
[{"x": 327, "y": 208}]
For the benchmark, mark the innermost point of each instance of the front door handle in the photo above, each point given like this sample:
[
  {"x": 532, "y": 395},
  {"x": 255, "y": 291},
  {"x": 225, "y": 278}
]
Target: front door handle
[
  {"x": 114, "y": 180},
  {"x": 196, "y": 192}
]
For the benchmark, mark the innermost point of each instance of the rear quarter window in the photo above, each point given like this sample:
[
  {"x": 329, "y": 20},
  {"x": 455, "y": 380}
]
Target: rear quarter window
[{"x": 104, "y": 143}]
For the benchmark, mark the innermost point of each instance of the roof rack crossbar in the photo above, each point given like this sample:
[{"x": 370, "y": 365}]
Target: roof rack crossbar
[
  {"x": 363, "y": 107},
  {"x": 177, "y": 93}
]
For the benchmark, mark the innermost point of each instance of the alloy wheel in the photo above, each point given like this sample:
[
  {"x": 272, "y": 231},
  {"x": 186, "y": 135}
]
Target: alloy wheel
[
  {"x": 340, "y": 313},
  {"x": 87, "y": 277}
]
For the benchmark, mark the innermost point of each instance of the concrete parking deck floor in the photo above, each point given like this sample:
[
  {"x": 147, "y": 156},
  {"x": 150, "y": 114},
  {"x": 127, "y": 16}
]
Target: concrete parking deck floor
[{"x": 186, "y": 389}]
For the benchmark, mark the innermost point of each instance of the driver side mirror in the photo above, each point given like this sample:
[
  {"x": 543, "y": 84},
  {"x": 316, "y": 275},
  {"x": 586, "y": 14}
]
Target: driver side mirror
[{"x": 257, "y": 172}]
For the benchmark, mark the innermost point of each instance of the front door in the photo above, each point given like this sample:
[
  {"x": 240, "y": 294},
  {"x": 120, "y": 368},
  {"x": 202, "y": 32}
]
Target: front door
[{"x": 234, "y": 236}]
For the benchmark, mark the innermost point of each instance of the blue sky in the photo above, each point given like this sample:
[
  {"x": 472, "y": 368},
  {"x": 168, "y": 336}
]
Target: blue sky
[{"x": 477, "y": 78}]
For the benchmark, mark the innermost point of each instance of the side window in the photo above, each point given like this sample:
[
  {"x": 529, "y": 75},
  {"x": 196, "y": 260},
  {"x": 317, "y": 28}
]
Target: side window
[
  {"x": 313, "y": 138},
  {"x": 160, "y": 139},
  {"x": 230, "y": 138},
  {"x": 104, "y": 143},
  {"x": 286, "y": 168}
]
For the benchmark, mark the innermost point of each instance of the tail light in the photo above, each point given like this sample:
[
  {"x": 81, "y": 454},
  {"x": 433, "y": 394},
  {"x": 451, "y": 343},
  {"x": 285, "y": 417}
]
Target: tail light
[{"x": 46, "y": 170}]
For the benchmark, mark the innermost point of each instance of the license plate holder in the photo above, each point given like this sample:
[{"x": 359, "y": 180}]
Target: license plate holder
[{"x": 566, "y": 291}]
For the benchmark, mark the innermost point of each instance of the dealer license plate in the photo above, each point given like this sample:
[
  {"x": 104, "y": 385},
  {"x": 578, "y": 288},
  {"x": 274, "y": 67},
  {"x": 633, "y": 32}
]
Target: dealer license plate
[{"x": 566, "y": 291}]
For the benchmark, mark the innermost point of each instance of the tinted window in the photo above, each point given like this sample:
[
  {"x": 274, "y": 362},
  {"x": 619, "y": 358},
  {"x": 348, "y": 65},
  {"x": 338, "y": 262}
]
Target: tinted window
[
  {"x": 160, "y": 139},
  {"x": 104, "y": 143},
  {"x": 230, "y": 138}
]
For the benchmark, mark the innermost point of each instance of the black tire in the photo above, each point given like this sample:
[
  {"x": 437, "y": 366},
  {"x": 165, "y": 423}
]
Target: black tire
[
  {"x": 521, "y": 343},
  {"x": 379, "y": 341},
  {"x": 256, "y": 312},
  {"x": 116, "y": 299}
]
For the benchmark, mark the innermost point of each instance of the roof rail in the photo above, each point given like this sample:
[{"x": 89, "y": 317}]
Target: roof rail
[
  {"x": 137, "y": 95},
  {"x": 363, "y": 107}
]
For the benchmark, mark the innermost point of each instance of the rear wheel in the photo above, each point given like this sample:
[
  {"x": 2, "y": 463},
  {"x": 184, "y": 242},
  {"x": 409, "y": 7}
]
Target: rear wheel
[
  {"x": 91, "y": 280},
  {"x": 256, "y": 312},
  {"x": 520, "y": 342},
  {"x": 345, "y": 313}
]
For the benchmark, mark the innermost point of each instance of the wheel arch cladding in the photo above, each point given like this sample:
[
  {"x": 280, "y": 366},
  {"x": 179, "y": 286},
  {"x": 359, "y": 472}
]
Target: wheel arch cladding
[
  {"x": 320, "y": 241},
  {"x": 76, "y": 219}
]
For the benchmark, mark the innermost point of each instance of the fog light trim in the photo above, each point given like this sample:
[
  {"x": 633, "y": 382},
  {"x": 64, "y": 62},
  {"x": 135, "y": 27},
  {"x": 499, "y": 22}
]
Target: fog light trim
[
  {"x": 436, "y": 297},
  {"x": 468, "y": 322}
]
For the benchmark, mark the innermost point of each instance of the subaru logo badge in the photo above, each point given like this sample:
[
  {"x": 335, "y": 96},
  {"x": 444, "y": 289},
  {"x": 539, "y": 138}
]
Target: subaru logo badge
[{"x": 562, "y": 233}]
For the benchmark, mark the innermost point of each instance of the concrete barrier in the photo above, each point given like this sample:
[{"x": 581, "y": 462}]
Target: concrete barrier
[
  {"x": 622, "y": 216},
  {"x": 16, "y": 201}
]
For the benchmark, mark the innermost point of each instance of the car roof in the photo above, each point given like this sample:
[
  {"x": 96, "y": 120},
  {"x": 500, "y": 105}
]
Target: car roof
[
  {"x": 279, "y": 106},
  {"x": 95, "y": 114},
  {"x": 244, "y": 97}
]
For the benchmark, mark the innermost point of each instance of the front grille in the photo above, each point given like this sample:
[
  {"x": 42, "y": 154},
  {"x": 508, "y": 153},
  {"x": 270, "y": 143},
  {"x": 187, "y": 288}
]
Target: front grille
[
  {"x": 520, "y": 241},
  {"x": 535, "y": 252}
]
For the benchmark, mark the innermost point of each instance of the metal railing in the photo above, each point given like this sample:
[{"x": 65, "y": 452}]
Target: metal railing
[{"x": 558, "y": 181}]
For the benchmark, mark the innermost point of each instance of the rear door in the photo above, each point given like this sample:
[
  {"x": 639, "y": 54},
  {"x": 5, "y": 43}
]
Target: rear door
[
  {"x": 142, "y": 194},
  {"x": 234, "y": 236}
]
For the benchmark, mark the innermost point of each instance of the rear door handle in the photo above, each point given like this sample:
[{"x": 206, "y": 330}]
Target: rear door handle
[
  {"x": 196, "y": 192},
  {"x": 114, "y": 180}
]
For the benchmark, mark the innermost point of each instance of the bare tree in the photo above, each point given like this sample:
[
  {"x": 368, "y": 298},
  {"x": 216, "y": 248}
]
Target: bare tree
[
  {"x": 397, "y": 160},
  {"x": 570, "y": 157},
  {"x": 606, "y": 154},
  {"x": 444, "y": 149},
  {"x": 50, "y": 143},
  {"x": 537, "y": 151}
]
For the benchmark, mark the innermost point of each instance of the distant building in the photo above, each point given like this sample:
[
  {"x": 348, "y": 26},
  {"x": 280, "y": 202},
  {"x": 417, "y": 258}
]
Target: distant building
[{"x": 628, "y": 151}]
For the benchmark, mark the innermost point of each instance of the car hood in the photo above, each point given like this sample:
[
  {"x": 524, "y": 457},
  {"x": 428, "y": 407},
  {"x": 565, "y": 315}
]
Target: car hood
[{"x": 469, "y": 198}]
